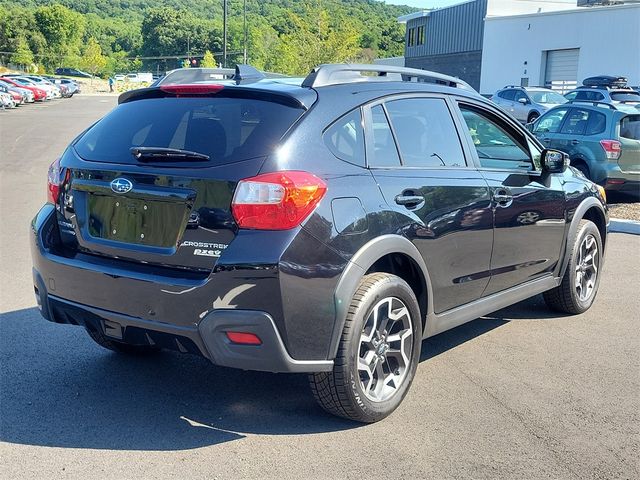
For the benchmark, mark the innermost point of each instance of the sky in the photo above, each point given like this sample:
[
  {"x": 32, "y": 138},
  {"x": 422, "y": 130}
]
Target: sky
[{"x": 424, "y": 3}]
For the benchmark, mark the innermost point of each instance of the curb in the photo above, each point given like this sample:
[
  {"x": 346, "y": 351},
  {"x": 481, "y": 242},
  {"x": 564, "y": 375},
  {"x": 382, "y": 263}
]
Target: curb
[{"x": 618, "y": 225}]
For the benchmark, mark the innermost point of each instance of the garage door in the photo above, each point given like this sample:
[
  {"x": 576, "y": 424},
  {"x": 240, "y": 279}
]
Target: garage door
[{"x": 562, "y": 68}]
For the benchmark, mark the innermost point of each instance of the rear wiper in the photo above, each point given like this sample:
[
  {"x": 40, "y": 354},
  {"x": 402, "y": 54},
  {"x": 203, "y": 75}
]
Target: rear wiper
[{"x": 169, "y": 154}]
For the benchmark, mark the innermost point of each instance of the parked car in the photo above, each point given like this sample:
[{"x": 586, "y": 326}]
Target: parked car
[
  {"x": 207, "y": 75},
  {"x": 602, "y": 141},
  {"x": 119, "y": 77},
  {"x": 17, "y": 96},
  {"x": 39, "y": 94},
  {"x": 324, "y": 228},
  {"x": 527, "y": 103},
  {"x": 6, "y": 100},
  {"x": 52, "y": 91},
  {"x": 27, "y": 95},
  {"x": 57, "y": 90},
  {"x": 72, "y": 72},
  {"x": 605, "y": 89},
  {"x": 139, "y": 77},
  {"x": 68, "y": 86}
]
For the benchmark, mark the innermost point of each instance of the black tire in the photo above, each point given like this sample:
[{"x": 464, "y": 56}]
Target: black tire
[
  {"x": 533, "y": 116},
  {"x": 341, "y": 392},
  {"x": 120, "y": 347},
  {"x": 565, "y": 297}
]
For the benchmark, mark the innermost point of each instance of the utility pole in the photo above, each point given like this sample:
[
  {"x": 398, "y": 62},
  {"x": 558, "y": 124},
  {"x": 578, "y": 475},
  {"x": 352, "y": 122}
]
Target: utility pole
[
  {"x": 224, "y": 33},
  {"x": 244, "y": 56}
]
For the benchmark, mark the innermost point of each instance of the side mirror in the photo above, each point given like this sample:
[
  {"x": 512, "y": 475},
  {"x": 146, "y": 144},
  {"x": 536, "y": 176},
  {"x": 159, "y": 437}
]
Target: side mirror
[
  {"x": 554, "y": 161},
  {"x": 523, "y": 101}
]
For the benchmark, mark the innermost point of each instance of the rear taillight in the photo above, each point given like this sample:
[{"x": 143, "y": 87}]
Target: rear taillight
[
  {"x": 192, "y": 89},
  {"x": 612, "y": 149},
  {"x": 276, "y": 201},
  {"x": 54, "y": 179}
]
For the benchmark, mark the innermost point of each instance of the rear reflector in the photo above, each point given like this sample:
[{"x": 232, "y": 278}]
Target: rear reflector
[
  {"x": 244, "y": 338},
  {"x": 276, "y": 201},
  {"x": 614, "y": 181},
  {"x": 197, "y": 89},
  {"x": 612, "y": 149}
]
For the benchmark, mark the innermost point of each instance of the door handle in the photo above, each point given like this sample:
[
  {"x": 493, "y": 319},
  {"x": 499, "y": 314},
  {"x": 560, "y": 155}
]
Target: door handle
[
  {"x": 502, "y": 197},
  {"x": 409, "y": 201},
  {"x": 546, "y": 140},
  {"x": 575, "y": 142}
]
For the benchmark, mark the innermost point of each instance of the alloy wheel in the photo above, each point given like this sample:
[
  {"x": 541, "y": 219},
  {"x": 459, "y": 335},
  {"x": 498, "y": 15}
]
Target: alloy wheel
[
  {"x": 586, "y": 268},
  {"x": 385, "y": 352}
]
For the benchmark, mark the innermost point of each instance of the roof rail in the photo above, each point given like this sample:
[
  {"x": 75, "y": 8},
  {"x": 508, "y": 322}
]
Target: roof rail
[
  {"x": 595, "y": 104},
  {"x": 342, "y": 73}
]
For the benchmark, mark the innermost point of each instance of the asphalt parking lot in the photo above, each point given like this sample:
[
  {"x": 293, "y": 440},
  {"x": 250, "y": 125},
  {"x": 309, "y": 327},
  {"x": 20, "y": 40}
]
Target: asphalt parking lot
[{"x": 523, "y": 393}]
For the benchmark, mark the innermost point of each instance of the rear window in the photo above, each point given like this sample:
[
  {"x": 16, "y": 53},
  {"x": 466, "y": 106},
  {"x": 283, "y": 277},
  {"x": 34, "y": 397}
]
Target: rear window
[
  {"x": 630, "y": 127},
  {"x": 225, "y": 129}
]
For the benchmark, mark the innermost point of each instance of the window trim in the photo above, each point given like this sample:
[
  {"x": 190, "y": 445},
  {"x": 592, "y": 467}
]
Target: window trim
[
  {"x": 506, "y": 122},
  {"x": 368, "y": 133}
]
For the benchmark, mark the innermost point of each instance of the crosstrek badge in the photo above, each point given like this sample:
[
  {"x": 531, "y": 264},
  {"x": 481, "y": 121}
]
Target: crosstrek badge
[{"x": 205, "y": 249}]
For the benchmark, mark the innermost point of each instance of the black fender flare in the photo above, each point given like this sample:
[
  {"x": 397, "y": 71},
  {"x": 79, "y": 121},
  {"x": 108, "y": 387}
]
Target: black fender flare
[
  {"x": 578, "y": 215},
  {"x": 363, "y": 259}
]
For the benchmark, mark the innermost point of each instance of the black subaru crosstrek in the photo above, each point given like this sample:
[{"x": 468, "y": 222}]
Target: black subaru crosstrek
[{"x": 324, "y": 227}]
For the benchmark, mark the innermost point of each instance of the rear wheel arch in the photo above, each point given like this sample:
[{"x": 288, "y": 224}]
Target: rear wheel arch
[{"x": 386, "y": 254}]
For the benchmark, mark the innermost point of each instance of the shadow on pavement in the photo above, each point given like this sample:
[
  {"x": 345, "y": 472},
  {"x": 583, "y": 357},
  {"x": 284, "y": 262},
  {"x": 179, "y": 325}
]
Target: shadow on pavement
[{"x": 59, "y": 389}]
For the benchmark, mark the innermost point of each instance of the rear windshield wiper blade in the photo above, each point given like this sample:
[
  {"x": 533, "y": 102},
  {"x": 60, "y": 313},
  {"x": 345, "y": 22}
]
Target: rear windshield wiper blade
[{"x": 168, "y": 154}]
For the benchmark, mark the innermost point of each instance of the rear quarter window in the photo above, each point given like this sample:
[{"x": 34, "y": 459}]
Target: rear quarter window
[
  {"x": 630, "y": 127},
  {"x": 225, "y": 129},
  {"x": 345, "y": 138}
]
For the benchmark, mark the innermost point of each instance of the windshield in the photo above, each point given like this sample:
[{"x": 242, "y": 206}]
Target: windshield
[
  {"x": 552, "y": 98},
  {"x": 625, "y": 96},
  {"x": 225, "y": 129}
]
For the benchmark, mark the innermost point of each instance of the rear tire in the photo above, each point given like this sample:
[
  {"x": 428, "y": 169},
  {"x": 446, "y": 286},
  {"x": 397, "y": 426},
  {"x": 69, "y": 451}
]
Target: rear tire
[
  {"x": 533, "y": 116},
  {"x": 580, "y": 283},
  {"x": 378, "y": 352},
  {"x": 120, "y": 347},
  {"x": 584, "y": 169}
]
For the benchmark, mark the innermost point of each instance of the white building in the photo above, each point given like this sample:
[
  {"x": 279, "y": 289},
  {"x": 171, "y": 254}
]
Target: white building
[{"x": 561, "y": 47}]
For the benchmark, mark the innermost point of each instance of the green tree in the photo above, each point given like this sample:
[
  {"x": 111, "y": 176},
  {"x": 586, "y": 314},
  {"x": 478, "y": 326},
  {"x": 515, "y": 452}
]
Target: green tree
[
  {"x": 208, "y": 61},
  {"x": 92, "y": 59},
  {"x": 23, "y": 55},
  {"x": 62, "y": 29}
]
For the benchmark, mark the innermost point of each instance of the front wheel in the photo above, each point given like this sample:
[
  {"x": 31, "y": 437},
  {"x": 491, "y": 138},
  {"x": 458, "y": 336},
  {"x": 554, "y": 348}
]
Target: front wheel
[
  {"x": 580, "y": 283},
  {"x": 378, "y": 352}
]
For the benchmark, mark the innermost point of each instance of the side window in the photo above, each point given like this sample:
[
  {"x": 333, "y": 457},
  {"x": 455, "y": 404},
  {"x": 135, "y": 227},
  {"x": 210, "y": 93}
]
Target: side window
[
  {"x": 425, "y": 133},
  {"x": 630, "y": 127},
  {"x": 576, "y": 122},
  {"x": 597, "y": 123},
  {"x": 551, "y": 122},
  {"x": 385, "y": 153},
  {"x": 497, "y": 145},
  {"x": 571, "y": 96},
  {"x": 345, "y": 138},
  {"x": 520, "y": 94},
  {"x": 507, "y": 94}
]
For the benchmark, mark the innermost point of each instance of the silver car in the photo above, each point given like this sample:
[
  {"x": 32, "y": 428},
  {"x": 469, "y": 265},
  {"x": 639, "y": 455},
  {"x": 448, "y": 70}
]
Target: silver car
[{"x": 526, "y": 104}]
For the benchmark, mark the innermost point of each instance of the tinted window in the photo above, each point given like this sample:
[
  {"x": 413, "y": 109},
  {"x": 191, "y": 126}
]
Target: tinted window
[
  {"x": 548, "y": 97},
  {"x": 498, "y": 145},
  {"x": 625, "y": 97},
  {"x": 630, "y": 127},
  {"x": 589, "y": 96},
  {"x": 576, "y": 122},
  {"x": 425, "y": 133},
  {"x": 550, "y": 123},
  {"x": 571, "y": 96},
  {"x": 596, "y": 124},
  {"x": 520, "y": 94},
  {"x": 345, "y": 138},
  {"x": 384, "y": 152},
  {"x": 507, "y": 94},
  {"x": 226, "y": 129}
]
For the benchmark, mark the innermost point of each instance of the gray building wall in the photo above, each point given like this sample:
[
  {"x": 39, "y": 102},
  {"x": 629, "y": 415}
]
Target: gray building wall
[{"x": 452, "y": 41}]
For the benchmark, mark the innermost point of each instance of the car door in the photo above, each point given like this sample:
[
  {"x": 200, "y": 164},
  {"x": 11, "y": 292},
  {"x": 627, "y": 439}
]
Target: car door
[
  {"x": 528, "y": 206},
  {"x": 506, "y": 99},
  {"x": 442, "y": 203},
  {"x": 521, "y": 106},
  {"x": 547, "y": 127},
  {"x": 570, "y": 138}
]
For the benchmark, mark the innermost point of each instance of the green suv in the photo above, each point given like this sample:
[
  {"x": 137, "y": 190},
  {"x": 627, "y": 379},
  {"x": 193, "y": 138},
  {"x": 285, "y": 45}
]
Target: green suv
[{"x": 602, "y": 141}]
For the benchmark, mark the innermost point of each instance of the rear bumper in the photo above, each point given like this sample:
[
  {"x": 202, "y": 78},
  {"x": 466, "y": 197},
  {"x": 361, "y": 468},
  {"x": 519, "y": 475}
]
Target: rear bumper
[{"x": 140, "y": 308}]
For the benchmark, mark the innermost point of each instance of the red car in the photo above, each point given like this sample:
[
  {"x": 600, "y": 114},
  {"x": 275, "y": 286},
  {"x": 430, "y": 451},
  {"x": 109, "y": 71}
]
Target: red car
[{"x": 39, "y": 95}]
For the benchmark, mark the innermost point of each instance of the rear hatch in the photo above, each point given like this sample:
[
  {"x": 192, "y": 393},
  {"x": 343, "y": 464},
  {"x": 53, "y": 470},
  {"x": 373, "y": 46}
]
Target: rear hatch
[
  {"x": 152, "y": 182},
  {"x": 629, "y": 160}
]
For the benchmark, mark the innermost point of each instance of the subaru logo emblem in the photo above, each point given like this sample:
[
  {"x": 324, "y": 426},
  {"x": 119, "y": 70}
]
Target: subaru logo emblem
[{"x": 121, "y": 185}]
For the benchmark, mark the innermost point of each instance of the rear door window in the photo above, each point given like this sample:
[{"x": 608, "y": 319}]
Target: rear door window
[
  {"x": 383, "y": 149},
  {"x": 576, "y": 122},
  {"x": 630, "y": 127},
  {"x": 425, "y": 133},
  {"x": 550, "y": 123},
  {"x": 597, "y": 123},
  {"x": 507, "y": 94},
  {"x": 225, "y": 129}
]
